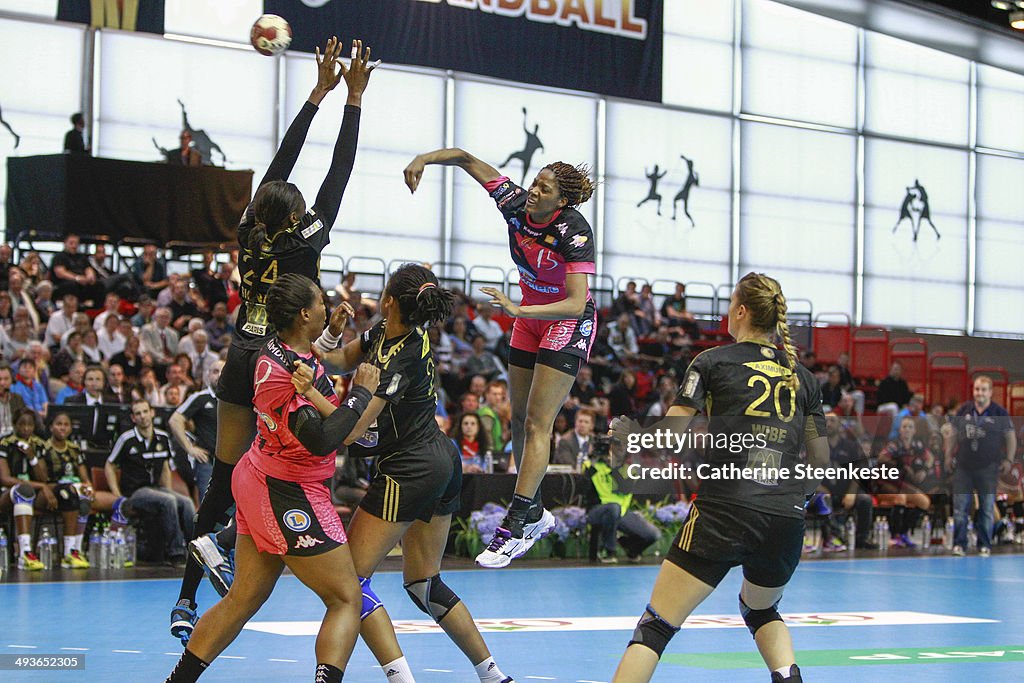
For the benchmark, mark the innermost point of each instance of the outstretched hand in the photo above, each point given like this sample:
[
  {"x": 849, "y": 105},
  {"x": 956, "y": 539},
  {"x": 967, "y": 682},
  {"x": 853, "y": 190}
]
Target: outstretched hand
[
  {"x": 414, "y": 173},
  {"x": 329, "y": 69},
  {"x": 498, "y": 298},
  {"x": 357, "y": 75}
]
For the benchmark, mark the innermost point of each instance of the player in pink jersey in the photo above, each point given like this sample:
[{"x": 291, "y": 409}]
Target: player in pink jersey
[
  {"x": 552, "y": 245},
  {"x": 284, "y": 512}
]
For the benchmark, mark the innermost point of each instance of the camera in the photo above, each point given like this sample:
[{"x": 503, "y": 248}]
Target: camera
[{"x": 601, "y": 448}]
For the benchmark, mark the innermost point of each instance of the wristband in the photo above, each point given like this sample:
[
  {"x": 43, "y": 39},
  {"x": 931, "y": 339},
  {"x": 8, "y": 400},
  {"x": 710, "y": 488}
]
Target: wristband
[{"x": 327, "y": 342}]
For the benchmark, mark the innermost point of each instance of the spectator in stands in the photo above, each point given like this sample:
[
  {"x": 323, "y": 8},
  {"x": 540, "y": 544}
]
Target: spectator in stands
[
  {"x": 28, "y": 386},
  {"x": 207, "y": 282},
  {"x": 6, "y": 310},
  {"x": 111, "y": 341},
  {"x": 131, "y": 359},
  {"x": 608, "y": 512},
  {"x": 21, "y": 298},
  {"x": 91, "y": 346},
  {"x": 15, "y": 345},
  {"x": 673, "y": 308},
  {"x": 478, "y": 385},
  {"x": 583, "y": 390},
  {"x": 486, "y": 326},
  {"x": 201, "y": 356},
  {"x": 809, "y": 360},
  {"x": 67, "y": 356},
  {"x": 200, "y": 410},
  {"x": 159, "y": 339},
  {"x": 559, "y": 429},
  {"x": 646, "y": 314},
  {"x": 10, "y": 402},
  {"x": 667, "y": 391},
  {"x": 5, "y": 264},
  {"x": 43, "y": 300},
  {"x": 462, "y": 348},
  {"x": 917, "y": 472},
  {"x": 23, "y": 479},
  {"x": 95, "y": 386},
  {"x": 111, "y": 308},
  {"x": 35, "y": 270},
  {"x": 914, "y": 410},
  {"x": 575, "y": 446},
  {"x": 483, "y": 362},
  {"x": 441, "y": 347},
  {"x": 219, "y": 329},
  {"x": 40, "y": 355},
  {"x": 183, "y": 361},
  {"x": 74, "y": 139},
  {"x": 622, "y": 338},
  {"x": 473, "y": 441},
  {"x": 893, "y": 391},
  {"x": 71, "y": 272},
  {"x": 139, "y": 468},
  {"x": 183, "y": 306},
  {"x": 496, "y": 414},
  {"x": 61, "y": 321},
  {"x": 985, "y": 445},
  {"x": 185, "y": 341},
  {"x": 179, "y": 379},
  {"x": 145, "y": 309},
  {"x": 80, "y": 323},
  {"x": 163, "y": 299},
  {"x": 118, "y": 390},
  {"x": 149, "y": 271},
  {"x": 622, "y": 398},
  {"x": 469, "y": 402},
  {"x": 148, "y": 388},
  {"x": 627, "y": 302},
  {"x": 849, "y": 495},
  {"x": 74, "y": 383},
  {"x": 832, "y": 390}
]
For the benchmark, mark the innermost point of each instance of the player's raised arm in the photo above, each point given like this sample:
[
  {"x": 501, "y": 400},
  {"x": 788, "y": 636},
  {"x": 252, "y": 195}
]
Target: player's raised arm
[{"x": 481, "y": 171}]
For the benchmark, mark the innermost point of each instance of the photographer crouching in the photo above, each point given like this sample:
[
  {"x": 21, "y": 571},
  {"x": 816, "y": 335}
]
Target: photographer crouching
[{"x": 608, "y": 502}]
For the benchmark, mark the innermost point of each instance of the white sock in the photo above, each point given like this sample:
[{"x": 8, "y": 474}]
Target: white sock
[
  {"x": 24, "y": 543},
  {"x": 489, "y": 672},
  {"x": 76, "y": 542},
  {"x": 69, "y": 544},
  {"x": 784, "y": 671},
  {"x": 398, "y": 671}
]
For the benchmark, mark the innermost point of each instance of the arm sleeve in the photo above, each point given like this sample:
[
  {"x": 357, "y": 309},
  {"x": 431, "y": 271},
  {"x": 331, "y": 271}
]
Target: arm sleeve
[
  {"x": 328, "y": 199},
  {"x": 321, "y": 436},
  {"x": 508, "y": 196},
  {"x": 814, "y": 412},
  {"x": 281, "y": 167},
  {"x": 577, "y": 248}
]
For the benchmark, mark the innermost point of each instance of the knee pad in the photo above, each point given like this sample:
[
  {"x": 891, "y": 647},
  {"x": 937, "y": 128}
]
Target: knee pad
[
  {"x": 756, "y": 618},
  {"x": 371, "y": 603},
  {"x": 653, "y": 632},
  {"x": 68, "y": 499},
  {"x": 432, "y": 596},
  {"x": 24, "y": 497}
]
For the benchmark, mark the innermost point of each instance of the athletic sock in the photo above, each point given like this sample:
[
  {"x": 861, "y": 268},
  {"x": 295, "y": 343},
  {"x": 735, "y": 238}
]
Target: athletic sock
[
  {"x": 188, "y": 669},
  {"x": 24, "y": 543},
  {"x": 398, "y": 671},
  {"x": 191, "y": 580},
  {"x": 325, "y": 673},
  {"x": 69, "y": 544},
  {"x": 489, "y": 672},
  {"x": 227, "y": 536}
]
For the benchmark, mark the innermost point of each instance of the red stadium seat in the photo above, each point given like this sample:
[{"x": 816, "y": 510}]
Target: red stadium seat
[
  {"x": 947, "y": 378},
  {"x": 869, "y": 356},
  {"x": 829, "y": 339},
  {"x": 912, "y": 354},
  {"x": 1015, "y": 401}
]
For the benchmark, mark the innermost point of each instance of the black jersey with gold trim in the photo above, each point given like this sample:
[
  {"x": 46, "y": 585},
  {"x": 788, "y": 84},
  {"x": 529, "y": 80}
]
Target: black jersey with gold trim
[
  {"x": 62, "y": 463},
  {"x": 406, "y": 384},
  {"x": 743, "y": 388}
]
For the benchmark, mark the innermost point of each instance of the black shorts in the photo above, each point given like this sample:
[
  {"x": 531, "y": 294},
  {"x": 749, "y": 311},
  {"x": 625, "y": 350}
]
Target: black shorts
[
  {"x": 420, "y": 483},
  {"x": 717, "y": 537},
  {"x": 236, "y": 379}
]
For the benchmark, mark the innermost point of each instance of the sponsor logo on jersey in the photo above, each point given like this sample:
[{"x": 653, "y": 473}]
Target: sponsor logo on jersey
[
  {"x": 269, "y": 421},
  {"x": 767, "y": 352},
  {"x": 296, "y": 520},
  {"x": 562, "y": 228},
  {"x": 690, "y": 387},
  {"x": 312, "y": 229},
  {"x": 578, "y": 240},
  {"x": 393, "y": 387},
  {"x": 587, "y": 328},
  {"x": 307, "y": 541},
  {"x": 550, "y": 240}
]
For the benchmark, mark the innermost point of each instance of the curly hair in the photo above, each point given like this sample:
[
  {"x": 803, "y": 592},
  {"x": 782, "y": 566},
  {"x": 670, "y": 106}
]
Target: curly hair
[
  {"x": 421, "y": 301},
  {"x": 287, "y": 297},
  {"x": 573, "y": 182},
  {"x": 763, "y": 297}
]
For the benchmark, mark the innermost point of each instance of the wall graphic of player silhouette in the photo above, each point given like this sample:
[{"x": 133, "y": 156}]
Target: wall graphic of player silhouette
[
  {"x": 200, "y": 141},
  {"x": 17, "y": 138},
  {"x": 915, "y": 208},
  {"x": 530, "y": 147},
  {"x": 684, "y": 193},
  {"x": 652, "y": 193}
]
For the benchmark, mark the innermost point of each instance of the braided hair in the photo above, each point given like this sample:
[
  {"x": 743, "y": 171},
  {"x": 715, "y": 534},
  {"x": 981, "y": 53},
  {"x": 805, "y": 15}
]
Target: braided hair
[
  {"x": 273, "y": 206},
  {"x": 573, "y": 182},
  {"x": 763, "y": 297},
  {"x": 421, "y": 301},
  {"x": 287, "y": 297}
]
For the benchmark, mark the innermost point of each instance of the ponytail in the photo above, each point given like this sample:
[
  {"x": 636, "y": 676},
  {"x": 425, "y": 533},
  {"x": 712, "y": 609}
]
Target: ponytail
[
  {"x": 421, "y": 301},
  {"x": 782, "y": 331},
  {"x": 273, "y": 206},
  {"x": 763, "y": 297}
]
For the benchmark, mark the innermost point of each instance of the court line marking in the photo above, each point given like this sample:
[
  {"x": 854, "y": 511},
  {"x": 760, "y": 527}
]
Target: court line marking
[
  {"x": 948, "y": 577},
  {"x": 439, "y": 671},
  {"x": 76, "y": 649},
  {"x": 230, "y": 657},
  {"x": 293, "y": 661},
  {"x": 27, "y": 647},
  {"x": 129, "y": 652}
]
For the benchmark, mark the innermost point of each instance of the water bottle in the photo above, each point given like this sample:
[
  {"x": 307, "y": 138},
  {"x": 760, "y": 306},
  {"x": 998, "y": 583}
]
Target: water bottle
[
  {"x": 122, "y": 550},
  {"x": 947, "y": 534},
  {"x": 129, "y": 540},
  {"x": 94, "y": 546},
  {"x": 579, "y": 461},
  {"x": 886, "y": 535},
  {"x": 851, "y": 534},
  {"x": 4, "y": 557},
  {"x": 926, "y": 533},
  {"x": 105, "y": 549},
  {"x": 876, "y": 532},
  {"x": 45, "y": 549},
  {"x": 972, "y": 535},
  {"x": 489, "y": 462}
]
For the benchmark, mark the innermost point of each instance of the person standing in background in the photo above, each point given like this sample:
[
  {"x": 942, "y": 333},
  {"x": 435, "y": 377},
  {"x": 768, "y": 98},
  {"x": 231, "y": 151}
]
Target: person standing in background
[{"x": 74, "y": 140}]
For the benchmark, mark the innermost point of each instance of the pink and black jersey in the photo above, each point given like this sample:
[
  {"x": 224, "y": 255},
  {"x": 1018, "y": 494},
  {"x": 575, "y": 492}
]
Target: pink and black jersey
[
  {"x": 276, "y": 451},
  {"x": 545, "y": 254}
]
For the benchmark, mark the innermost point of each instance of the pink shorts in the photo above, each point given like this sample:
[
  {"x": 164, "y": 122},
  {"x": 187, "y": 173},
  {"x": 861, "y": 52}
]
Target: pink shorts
[
  {"x": 575, "y": 337},
  {"x": 284, "y": 517}
]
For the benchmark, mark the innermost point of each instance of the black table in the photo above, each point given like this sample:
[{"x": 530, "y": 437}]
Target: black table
[{"x": 65, "y": 193}]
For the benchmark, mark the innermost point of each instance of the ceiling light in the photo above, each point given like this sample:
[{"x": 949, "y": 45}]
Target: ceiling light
[
  {"x": 1002, "y": 4},
  {"x": 1017, "y": 19}
]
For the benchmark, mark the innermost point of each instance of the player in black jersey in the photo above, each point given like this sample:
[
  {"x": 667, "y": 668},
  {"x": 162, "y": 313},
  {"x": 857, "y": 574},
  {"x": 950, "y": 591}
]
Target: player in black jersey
[
  {"x": 552, "y": 245},
  {"x": 277, "y": 235},
  {"x": 751, "y": 388},
  {"x": 417, "y": 474}
]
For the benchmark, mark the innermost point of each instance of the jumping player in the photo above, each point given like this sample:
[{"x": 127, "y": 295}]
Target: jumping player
[
  {"x": 284, "y": 512},
  {"x": 757, "y": 524},
  {"x": 277, "y": 235},
  {"x": 553, "y": 246},
  {"x": 418, "y": 471}
]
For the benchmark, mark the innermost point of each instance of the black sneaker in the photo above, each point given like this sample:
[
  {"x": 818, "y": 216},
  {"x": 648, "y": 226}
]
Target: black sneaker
[{"x": 793, "y": 677}]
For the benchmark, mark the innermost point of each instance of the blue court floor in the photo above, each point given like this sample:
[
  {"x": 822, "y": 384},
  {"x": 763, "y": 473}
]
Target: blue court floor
[{"x": 932, "y": 619}]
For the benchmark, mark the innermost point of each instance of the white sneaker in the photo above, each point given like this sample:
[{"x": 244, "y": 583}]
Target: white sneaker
[
  {"x": 958, "y": 551},
  {"x": 985, "y": 552},
  {"x": 504, "y": 547}
]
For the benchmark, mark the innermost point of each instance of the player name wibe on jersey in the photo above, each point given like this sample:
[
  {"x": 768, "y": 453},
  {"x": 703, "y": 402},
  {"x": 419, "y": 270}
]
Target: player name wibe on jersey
[{"x": 732, "y": 471}]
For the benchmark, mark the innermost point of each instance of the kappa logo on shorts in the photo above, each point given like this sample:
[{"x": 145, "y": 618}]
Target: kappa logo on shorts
[
  {"x": 581, "y": 345},
  {"x": 307, "y": 541},
  {"x": 296, "y": 520},
  {"x": 587, "y": 328}
]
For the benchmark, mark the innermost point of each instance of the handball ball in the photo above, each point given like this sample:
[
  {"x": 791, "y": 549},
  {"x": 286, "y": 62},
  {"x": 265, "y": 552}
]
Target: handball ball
[{"x": 270, "y": 35}]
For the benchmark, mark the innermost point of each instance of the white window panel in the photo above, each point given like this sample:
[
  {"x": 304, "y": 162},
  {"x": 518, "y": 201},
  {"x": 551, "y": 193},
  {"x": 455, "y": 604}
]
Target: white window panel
[
  {"x": 223, "y": 19},
  {"x": 783, "y": 231},
  {"x": 697, "y": 73},
  {"x": 792, "y": 162},
  {"x": 916, "y": 92},
  {"x": 385, "y": 247},
  {"x": 1000, "y": 185},
  {"x": 1000, "y": 237},
  {"x": 1000, "y": 109},
  {"x": 905, "y": 303},
  {"x": 999, "y": 309},
  {"x": 39, "y": 8},
  {"x": 700, "y": 19},
  {"x": 482, "y": 253},
  {"x": 827, "y": 291}
]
